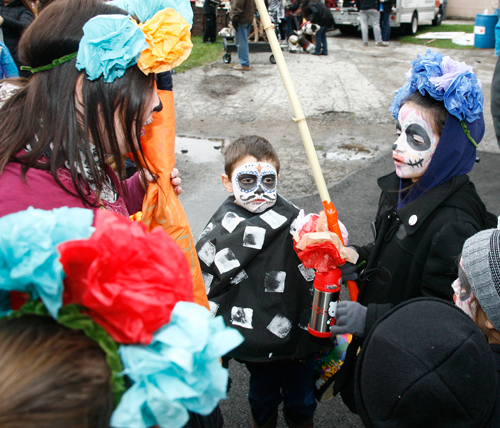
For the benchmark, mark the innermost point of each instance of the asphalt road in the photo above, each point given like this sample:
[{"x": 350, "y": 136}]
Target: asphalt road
[{"x": 345, "y": 98}]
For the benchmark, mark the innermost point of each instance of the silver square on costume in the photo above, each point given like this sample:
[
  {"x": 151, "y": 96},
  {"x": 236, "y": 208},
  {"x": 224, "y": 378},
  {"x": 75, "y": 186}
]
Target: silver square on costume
[
  {"x": 273, "y": 219},
  {"x": 207, "y": 279},
  {"x": 280, "y": 326},
  {"x": 242, "y": 275},
  {"x": 242, "y": 317},
  {"x": 254, "y": 237},
  {"x": 207, "y": 253},
  {"x": 274, "y": 282},
  {"x": 225, "y": 260},
  {"x": 214, "y": 307},
  {"x": 207, "y": 229},
  {"x": 230, "y": 221},
  {"x": 307, "y": 273}
]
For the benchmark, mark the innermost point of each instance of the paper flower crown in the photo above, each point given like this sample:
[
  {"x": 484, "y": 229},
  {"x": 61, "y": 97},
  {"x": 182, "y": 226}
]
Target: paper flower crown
[
  {"x": 112, "y": 43},
  {"x": 445, "y": 80},
  {"x": 131, "y": 292}
]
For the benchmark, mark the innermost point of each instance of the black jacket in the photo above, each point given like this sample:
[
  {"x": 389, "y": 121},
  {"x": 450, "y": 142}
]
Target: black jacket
[
  {"x": 318, "y": 13},
  {"x": 416, "y": 248},
  {"x": 368, "y": 4},
  {"x": 414, "y": 254},
  {"x": 16, "y": 18},
  {"x": 495, "y": 100}
]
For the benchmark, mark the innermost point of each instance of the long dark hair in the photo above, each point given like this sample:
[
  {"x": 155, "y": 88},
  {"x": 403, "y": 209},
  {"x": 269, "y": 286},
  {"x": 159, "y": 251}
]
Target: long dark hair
[
  {"x": 44, "y": 115},
  {"x": 51, "y": 376}
]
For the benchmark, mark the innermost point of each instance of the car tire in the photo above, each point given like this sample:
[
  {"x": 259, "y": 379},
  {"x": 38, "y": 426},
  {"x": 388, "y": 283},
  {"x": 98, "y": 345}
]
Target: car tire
[
  {"x": 412, "y": 27},
  {"x": 347, "y": 29},
  {"x": 438, "y": 18}
]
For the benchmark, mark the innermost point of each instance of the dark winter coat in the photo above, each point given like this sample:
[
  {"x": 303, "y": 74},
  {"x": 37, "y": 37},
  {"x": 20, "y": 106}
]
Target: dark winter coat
[
  {"x": 495, "y": 100},
  {"x": 317, "y": 13},
  {"x": 495, "y": 348},
  {"x": 416, "y": 248},
  {"x": 368, "y": 4},
  {"x": 16, "y": 18},
  {"x": 414, "y": 254},
  {"x": 255, "y": 280},
  {"x": 242, "y": 11}
]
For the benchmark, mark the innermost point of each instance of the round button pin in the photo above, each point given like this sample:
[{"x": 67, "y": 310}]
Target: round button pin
[{"x": 412, "y": 220}]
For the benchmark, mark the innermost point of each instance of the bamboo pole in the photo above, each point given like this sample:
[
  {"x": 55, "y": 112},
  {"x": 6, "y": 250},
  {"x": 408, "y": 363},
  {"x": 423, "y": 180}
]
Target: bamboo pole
[{"x": 330, "y": 211}]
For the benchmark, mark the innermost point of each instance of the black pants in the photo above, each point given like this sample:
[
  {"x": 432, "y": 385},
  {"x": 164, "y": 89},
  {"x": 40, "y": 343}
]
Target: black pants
[{"x": 210, "y": 28}]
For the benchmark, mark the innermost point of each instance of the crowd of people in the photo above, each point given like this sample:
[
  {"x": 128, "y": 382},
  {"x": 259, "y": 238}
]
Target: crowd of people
[{"x": 111, "y": 318}]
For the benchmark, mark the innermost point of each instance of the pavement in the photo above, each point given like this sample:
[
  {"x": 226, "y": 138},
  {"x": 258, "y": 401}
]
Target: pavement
[{"x": 345, "y": 97}]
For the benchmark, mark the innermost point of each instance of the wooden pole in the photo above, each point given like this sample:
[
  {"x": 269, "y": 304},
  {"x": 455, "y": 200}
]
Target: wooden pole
[{"x": 330, "y": 211}]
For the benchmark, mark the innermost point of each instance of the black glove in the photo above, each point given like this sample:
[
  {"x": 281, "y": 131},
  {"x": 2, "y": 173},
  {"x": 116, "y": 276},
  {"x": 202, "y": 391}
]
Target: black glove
[
  {"x": 349, "y": 272},
  {"x": 351, "y": 318}
]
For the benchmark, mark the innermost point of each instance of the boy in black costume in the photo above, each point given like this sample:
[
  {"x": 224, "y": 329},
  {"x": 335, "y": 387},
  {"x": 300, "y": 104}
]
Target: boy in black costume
[{"x": 257, "y": 283}]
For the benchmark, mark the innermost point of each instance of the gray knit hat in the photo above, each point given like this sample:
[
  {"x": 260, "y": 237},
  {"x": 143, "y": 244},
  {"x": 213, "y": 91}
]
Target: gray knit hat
[{"x": 481, "y": 259}]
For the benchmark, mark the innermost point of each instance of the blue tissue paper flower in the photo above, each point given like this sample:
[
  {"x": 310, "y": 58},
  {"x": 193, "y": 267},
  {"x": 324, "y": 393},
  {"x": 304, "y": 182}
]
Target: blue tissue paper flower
[
  {"x": 145, "y": 10},
  {"x": 28, "y": 253},
  {"x": 444, "y": 80},
  {"x": 179, "y": 371},
  {"x": 110, "y": 44},
  {"x": 464, "y": 98}
]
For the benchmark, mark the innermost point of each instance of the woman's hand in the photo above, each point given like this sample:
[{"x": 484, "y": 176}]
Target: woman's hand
[
  {"x": 176, "y": 181},
  {"x": 146, "y": 177}
]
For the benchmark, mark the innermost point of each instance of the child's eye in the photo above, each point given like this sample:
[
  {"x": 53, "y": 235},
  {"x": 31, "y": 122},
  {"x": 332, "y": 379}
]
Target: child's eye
[
  {"x": 268, "y": 180},
  {"x": 418, "y": 139},
  {"x": 247, "y": 180}
]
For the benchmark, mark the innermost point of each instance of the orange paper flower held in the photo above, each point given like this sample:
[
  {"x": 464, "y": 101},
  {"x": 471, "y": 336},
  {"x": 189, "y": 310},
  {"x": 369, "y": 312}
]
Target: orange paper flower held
[{"x": 128, "y": 279}]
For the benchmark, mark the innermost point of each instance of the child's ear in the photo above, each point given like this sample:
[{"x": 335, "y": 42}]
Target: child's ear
[{"x": 227, "y": 183}]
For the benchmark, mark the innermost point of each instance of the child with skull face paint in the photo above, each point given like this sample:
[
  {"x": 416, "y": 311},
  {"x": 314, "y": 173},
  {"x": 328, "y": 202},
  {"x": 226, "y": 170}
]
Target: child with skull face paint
[
  {"x": 255, "y": 280},
  {"x": 428, "y": 206}
]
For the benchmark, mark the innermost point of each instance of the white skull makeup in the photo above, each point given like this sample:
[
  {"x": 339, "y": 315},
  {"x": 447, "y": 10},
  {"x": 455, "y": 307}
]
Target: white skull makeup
[
  {"x": 463, "y": 293},
  {"x": 254, "y": 186},
  {"x": 413, "y": 150}
]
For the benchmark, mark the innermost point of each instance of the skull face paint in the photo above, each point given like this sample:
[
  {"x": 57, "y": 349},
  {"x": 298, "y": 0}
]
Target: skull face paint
[
  {"x": 463, "y": 295},
  {"x": 413, "y": 150},
  {"x": 254, "y": 186}
]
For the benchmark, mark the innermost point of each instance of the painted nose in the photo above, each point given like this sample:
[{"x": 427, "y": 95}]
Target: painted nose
[
  {"x": 394, "y": 146},
  {"x": 260, "y": 190}
]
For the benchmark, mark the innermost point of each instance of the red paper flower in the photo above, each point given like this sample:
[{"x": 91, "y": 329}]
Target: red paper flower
[
  {"x": 321, "y": 257},
  {"x": 128, "y": 279}
]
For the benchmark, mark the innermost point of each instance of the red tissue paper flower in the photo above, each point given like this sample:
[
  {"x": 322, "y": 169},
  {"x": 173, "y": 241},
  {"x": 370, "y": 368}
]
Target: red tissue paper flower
[
  {"x": 320, "y": 253},
  {"x": 129, "y": 280}
]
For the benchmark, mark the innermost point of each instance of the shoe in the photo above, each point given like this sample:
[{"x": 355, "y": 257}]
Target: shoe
[
  {"x": 240, "y": 68},
  {"x": 314, "y": 53},
  {"x": 384, "y": 44},
  {"x": 365, "y": 45},
  {"x": 324, "y": 53},
  {"x": 271, "y": 422}
]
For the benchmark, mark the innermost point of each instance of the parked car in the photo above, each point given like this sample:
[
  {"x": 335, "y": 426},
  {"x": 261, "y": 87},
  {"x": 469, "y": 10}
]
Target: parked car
[{"x": 408, "y": 15}]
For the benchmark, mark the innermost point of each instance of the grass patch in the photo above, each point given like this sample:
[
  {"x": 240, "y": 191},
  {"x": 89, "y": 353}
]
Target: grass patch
[
  {"x": 202, "y": 53},
  {"x": 443, "y": 44}
]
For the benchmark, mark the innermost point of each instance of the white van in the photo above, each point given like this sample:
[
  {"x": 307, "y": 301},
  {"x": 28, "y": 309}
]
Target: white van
[{"x": 409, "y": 14}]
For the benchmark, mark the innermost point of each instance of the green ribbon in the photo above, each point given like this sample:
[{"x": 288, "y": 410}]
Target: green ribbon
[
  {"x": 53, "y": 64},
  {"x": 467, "y": 132},
  {"x": 71, "y": 316}
]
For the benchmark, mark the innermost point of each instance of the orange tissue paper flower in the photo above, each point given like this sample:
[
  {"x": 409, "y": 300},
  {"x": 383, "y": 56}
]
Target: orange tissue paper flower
[
  {"x": 129, "y": 280},
  {"x": 169, "y": 42}
]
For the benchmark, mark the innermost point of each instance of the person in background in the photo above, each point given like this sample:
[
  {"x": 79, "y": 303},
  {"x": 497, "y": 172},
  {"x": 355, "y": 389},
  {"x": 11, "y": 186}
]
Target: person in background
[
  {"x": 241, "y": 15},
  {"x": 369, "y": 10},
  {"x": 426, "y": 364},
  {"x": 386, "y": 7},
  {"x": 15, "y": 16},
  {"x": 7, "y": 65},
  {"x": 495, "y": 101},
  {"x": 317, "y": 13},
  {"x": 210, "y": 15}
]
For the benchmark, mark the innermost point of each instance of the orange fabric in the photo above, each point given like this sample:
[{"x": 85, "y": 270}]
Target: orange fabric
[{"x": 161, "y": 206}]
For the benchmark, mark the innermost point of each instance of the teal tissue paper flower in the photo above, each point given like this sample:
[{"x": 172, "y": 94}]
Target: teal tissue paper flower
[
  {"x": 179, "y": 371},
  {"x": 146, "y": 9},
  {"x": 28, "y": 250},
  {"x": 110, "y": 44}
]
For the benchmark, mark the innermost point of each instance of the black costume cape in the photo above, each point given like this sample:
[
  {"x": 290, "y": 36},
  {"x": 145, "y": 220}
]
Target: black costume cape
[{"x": 255, "y": 280}]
